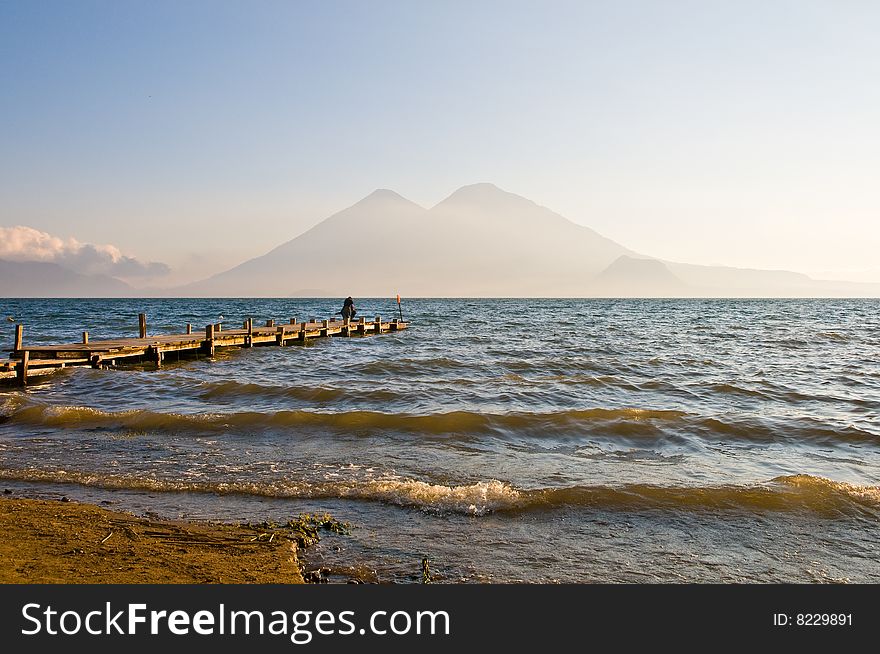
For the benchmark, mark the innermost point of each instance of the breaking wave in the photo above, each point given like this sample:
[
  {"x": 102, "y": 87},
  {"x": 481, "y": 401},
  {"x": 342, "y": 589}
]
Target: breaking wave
[{"x": 787, "y": 493}]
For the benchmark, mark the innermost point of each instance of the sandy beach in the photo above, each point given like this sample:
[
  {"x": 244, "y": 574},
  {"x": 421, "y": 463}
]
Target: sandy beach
[{"x": 68, "y": 542}]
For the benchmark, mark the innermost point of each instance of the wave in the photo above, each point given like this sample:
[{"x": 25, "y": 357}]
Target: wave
[
  {"x": 627, "y": 421},
  {"x": 621, "y": 423},
  {"x": 408, "y": 366},
  {"x": 788, "y": 493},
  {"x": 732, "y": 389},
  {"x": 792, "y": 429},
  {"x": 323, "y": 394}
]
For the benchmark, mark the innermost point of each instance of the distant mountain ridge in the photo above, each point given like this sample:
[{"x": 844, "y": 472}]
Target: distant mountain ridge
[
  {"x": 648, "y": 276},
  {"x": 482, "y": 241},
  {"x": 43, "y": 279},
  {"x": 479, "y": 241}
]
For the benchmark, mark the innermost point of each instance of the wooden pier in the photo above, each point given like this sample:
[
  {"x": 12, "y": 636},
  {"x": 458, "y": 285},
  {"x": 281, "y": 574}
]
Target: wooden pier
[{"x": 27, "y": 361}]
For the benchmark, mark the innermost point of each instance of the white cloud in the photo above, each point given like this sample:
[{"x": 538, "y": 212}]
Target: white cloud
[{"x": 21, "y": 243}]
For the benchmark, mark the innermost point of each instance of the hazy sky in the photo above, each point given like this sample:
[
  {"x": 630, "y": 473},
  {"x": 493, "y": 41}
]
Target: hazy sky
[{"x": 199, "y": 134}]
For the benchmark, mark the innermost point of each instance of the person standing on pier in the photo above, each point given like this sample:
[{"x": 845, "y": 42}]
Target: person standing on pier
[{"x": 348, "y": 311}]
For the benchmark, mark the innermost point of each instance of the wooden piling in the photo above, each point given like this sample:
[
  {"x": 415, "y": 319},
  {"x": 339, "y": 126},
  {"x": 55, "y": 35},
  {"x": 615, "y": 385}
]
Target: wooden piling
[
  {"x": 142, "y": 324},
  {"x": 85, "y": 338},
  {"x": 279, "y": 336},
  {"x": 378, "y": 324},
  {"x": 325, "y": 324},
  {"x": 270, "y": 322},
  {"x": 189, "y": 328},
  {"x": 19, "y": 332},
  {"x": 209, "y": 340},
  {"x": 23, "y": 368},
  {"x": 249, "y": 341},
  {"x": 302, "y": 332},
  {"x": 293, "y": 321}
]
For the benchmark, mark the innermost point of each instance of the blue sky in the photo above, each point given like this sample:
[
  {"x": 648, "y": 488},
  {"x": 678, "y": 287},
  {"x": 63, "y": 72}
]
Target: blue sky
[{"x": 740, "y": 132}]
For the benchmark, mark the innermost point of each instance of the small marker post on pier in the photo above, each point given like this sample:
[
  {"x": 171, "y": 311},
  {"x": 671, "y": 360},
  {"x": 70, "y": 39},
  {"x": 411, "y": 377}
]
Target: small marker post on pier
[
  {"x": 249, "y": 342},
  {"x": 19, "y": 332},
  {"x": 279, "y": 336},
  {"x": 189, "y": 328},
  {"x": 142, "y": 324},
  {"x": 85, "y": 338}
]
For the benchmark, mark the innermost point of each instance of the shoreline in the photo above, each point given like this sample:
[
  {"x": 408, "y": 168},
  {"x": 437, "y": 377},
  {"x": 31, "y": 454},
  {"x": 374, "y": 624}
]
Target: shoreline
[{"x": 68, "y": 542}]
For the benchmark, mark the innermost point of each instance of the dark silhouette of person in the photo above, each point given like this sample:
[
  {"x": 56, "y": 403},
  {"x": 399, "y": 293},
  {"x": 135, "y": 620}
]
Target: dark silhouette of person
[{"x": 348, "y": 311}]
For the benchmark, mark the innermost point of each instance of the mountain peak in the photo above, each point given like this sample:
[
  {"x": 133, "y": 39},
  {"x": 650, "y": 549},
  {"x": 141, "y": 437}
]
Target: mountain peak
[
  {"x": 481, "y": 187},
  {"x": 485, "y": 194},
  {"x": 384, "y": 199},
  {"x": 385, "y": 195}
]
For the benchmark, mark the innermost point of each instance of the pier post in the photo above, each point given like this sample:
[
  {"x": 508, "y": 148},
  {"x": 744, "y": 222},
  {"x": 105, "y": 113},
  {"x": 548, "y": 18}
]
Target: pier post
[
  {"x": 293, "y": 321},
  {"x": 302, "y": 331},
  {"x": 209, "y": 340},
  {"x": 378, "y": 324},
  {"x": 189, "y": 328},
  {"x": 142, "y": 324},
  {"x": 324, "y": 325},
  {"x": 249, "y": 341},
  {"x": 394, "y": 325},
  {"x": 279, "y": 335},
  {"x": 155, "y": 353},
  {"x": 362, "y": 325},
  {"x": 19, "y": 331},
  {"x": 270, "y": 323},
  {"x": 85, "y": 338},
  {"x": 23, "y": 368}
]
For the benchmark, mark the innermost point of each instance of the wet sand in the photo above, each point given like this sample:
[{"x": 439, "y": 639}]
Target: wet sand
[{"x": 68, "y": 542}]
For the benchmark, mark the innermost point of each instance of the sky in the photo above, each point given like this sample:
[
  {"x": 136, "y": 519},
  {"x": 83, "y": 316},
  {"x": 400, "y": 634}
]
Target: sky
[{"x": 167, "y": 141}]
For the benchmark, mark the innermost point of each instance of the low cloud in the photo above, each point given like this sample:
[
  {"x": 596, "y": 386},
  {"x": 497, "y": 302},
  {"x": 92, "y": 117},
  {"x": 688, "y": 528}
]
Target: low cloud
[{"x": 21, "y": 243}]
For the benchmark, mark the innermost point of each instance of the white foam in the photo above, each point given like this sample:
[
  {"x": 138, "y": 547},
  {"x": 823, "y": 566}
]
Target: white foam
[{"x": 477, "y": 499}]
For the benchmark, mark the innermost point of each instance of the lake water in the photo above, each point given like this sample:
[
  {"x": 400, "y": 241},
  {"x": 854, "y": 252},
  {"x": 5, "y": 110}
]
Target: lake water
[{"x": 504, "y": 440}]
